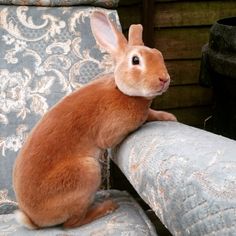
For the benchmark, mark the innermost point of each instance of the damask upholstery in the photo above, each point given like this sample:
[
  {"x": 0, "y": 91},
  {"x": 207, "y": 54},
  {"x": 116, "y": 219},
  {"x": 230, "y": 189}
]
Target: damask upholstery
[
  {"x": 186, "y": 175},
  {"x": 45, "y": 53},
  {"x": 128, "y": 220},
  {"x": 99, "y": 3}
]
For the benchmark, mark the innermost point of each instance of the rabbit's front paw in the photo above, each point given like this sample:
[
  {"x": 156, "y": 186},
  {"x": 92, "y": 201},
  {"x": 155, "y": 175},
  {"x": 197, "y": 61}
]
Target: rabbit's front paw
[
  {"x": 169, "y": 117},
  {"x": 160, "y": 115}
]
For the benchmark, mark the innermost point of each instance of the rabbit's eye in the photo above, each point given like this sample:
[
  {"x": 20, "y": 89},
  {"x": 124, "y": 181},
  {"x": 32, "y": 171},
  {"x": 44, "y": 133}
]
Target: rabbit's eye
[{"x": 135, "y": 60}]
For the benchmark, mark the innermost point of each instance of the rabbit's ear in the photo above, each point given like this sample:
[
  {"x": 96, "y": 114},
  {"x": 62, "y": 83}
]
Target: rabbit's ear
[
  {"x": 106, "y": 34},
  {"x": 135, "y": 35}
]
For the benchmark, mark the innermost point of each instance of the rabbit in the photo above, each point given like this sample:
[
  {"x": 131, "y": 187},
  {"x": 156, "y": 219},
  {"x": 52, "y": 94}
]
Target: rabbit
[{"x": 57, "y": 173}]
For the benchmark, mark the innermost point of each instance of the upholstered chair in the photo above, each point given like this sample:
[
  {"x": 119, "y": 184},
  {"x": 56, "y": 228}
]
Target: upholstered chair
[{"x": 46, "y": 51}]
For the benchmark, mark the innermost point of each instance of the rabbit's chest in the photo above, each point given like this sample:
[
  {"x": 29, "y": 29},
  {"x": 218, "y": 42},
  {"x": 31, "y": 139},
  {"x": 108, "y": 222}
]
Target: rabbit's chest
[{"x": 118, "y": 125}]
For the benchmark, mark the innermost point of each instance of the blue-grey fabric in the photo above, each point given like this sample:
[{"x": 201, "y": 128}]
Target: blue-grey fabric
[
  {"x": 186, "y": 175},
  {"x": 45, "y": 53},
  {"x": 128, "y": 220},
  {"x": 99, "y": 3}
]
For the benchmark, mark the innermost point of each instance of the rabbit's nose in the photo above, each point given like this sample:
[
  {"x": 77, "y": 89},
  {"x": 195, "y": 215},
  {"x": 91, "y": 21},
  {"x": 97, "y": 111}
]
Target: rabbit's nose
[{"x": 164, "y": 78}]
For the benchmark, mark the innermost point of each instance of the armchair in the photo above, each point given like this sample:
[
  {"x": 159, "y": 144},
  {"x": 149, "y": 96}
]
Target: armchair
[
  {"x": 186, "y": 175},
  {"x": 45, "y": 53}
]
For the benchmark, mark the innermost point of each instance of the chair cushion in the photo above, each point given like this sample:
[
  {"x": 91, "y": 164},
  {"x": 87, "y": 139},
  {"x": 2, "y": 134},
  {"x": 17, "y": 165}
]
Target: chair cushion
[
  {"x": 100, "y": 3},
  {"x": 128, "y": 220},
  {"x": 45, "y": 53}
]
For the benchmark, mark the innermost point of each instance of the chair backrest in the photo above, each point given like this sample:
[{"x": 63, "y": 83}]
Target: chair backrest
[
  {"x": 45, "y": 53},
  {"x": 51, "y": 3}
]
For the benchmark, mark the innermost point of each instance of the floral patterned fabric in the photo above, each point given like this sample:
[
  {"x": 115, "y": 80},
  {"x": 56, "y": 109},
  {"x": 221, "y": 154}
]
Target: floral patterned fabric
[
  {"x": 128, "y": 220},
  {"x": 45, "y": 53},
  {"x": 186, "y": 175},
  {"x": 100, "y": 3}
]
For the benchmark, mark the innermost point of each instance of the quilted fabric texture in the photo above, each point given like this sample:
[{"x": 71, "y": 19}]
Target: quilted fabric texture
[
  {"x": 128, "y": 220},
  {"x": 100, "y": 3},
  {"x": 186, "y": 175},
  {"x": 45, "y": 53}
]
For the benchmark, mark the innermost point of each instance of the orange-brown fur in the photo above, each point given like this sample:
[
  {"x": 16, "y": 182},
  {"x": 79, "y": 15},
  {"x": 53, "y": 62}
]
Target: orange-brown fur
[{"x": 57, "y": 172}]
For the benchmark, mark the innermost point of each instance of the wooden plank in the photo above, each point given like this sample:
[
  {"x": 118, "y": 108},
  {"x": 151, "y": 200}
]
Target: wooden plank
[
  {"x": 176, "y": 13},
  {"x": 192, "y": 13},
  {"x": 170, "y": 0},
  {"x": 194, "y": 116},
  {"x": 181, "y": 43},
  {"x": 129, "y": 2},
  {"x": 183, "y": 96},
  {"x": 183, "y": 72},
  {"x": 148, "y": 22},
  {"x": 129, "y": 15}
]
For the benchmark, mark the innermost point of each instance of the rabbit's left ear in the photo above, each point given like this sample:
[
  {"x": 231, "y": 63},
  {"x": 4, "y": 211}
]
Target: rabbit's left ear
[
  {"x": 107, "y": 35},
  {"x": 135, "y": 35}
]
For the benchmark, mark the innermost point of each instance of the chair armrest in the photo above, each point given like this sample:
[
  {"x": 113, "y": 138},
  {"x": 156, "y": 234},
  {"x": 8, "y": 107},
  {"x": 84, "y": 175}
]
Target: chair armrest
[{"x": 186, "y": 175}]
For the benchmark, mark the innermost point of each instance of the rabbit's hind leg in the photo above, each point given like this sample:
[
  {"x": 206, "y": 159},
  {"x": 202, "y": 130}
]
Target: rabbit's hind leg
[
  {"x": 69, "y": 191},
  {"x": 93, "y": 213}
]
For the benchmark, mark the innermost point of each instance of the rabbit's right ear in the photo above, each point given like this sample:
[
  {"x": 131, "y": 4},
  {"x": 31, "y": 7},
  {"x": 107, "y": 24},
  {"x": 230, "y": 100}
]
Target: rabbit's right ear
[
  {"x": 106, "y": 34},
  {"x": 135, "y": 35}
]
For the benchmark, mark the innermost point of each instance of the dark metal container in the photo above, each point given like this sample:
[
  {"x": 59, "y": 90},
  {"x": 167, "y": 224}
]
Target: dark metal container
[{"x": 218, "y": 70}]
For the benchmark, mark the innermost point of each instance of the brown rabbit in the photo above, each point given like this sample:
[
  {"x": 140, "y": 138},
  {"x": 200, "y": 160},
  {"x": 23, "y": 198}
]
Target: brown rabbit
[{"x": 57, "y": 172}]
